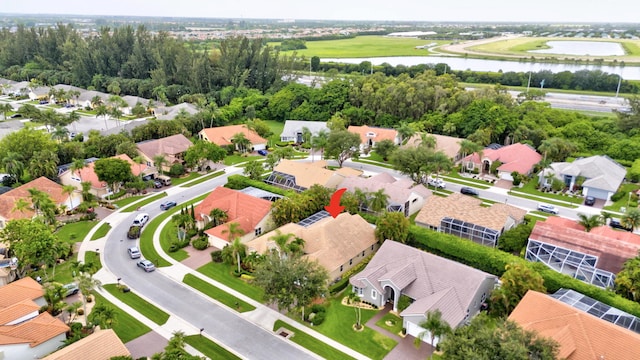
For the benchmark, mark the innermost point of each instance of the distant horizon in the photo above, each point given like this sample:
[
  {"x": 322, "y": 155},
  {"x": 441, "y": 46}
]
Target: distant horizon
[{"x": 455, "y": 11}]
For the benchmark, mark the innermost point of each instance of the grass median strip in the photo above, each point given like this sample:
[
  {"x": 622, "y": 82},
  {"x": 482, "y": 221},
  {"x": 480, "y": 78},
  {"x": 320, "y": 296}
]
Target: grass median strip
[
  {"x": 139, "y": 304},
  {"x": 203, "y": 179},
  {"x": 101, "y": 232},
  {"x": 310, "y": 343},
  {"x": 221, "y": 273},
  {"x": 216, "y": 293},
  {"x": 144, "y": 202},
  {"x": 209, "y": 348},
  {"x": 542, "y": 200},
  {"x": 126, "y": 326}
]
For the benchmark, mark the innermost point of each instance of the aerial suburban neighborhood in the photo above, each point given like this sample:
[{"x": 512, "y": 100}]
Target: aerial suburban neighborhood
[{"x": 238, "y": 188}]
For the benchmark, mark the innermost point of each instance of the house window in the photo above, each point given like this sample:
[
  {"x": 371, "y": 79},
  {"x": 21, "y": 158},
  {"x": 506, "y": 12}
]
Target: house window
[
  {"x": 341, "y": 267},
  {"x": 374, "y": 294},
  {"x": 258, "y": 231},
  {"x": 371, "y": 249},
  {"x": 350, "y": 261},
  {"x": 358, "y": 291},
  {"x": 363, "y": 250},
  {"x": 470, "y": 165},
  {"x": 414, "y": 200}
]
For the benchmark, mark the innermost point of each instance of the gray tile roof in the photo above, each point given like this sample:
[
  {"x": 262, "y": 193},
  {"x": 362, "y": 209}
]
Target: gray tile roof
[
  {"x": 600, "y": 172},
  {"x": 291, "y": 127},
  {"x": 399, "y": 191}
]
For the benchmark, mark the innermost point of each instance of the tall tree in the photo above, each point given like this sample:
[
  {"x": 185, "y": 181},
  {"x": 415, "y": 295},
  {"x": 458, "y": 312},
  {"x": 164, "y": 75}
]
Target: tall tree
[
  {"x": 237, "y": 248},
  {"x": 32, "y": 242},
  {"x": 378, "y": 200},
  {"x": 392, "y": 226},
  {"x": 69, "y": 190},
  {"x": 628, "y": 279},
  {"x": 516, "y": 281},
  {"x": 342, "y": 145},
  {"x": 113, "y": 171},
  {"x": 319, "y": 141},
  {"x": 590, "y": 221},
  {"x": 87, "y": 284},
  {"x": 13, "y": 164},
  {"x": 5, "y": 108},
  {"x": 241, "y": 142},
  {"x": 631, "y": 219},
  {"x": 435, "y": 326}
]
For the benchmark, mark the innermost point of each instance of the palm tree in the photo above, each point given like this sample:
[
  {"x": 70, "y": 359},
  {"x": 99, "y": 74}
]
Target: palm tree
[
  {"x": 76, "y": 166},
  {"x": 427, "y": 140},
  {"x": 95, "y": 102},
  {"x": 241, "y": 142},
  {"x": 87, "y": 284},
  {"x": 320, "y": 142},
  {"x": 54, "y": 295},
  {"x": 5, "y": 108},
  {"x": 284, "y": 246},
  {"x": 104, "y": 315},
  {"x": 439, "y": 161},
  {"x": 72, "y": 309},
  {"x": 467, "y": 147},
  {"x": 354, "y": 298},
  {"x": 69, "y": 190},
  {"x": 13, "y": 164},
  {"x": 306, "y": 134},
  {"x": 21, "y": 205},
  {"x": 590, "y": 221},
  {"x": 237, "y": 247},
  {"x": 405, "y": 131},
  {"x": 378, "y": 200},
  {"x": 159, "y": 161},
  {"x": 606, "y": 216},
  {"x": 86, "y": 191},
  {"x": 218, "y": 216},
  {"x": 60, "y": 133},
  {"x": 631, "y": 219},
  {"x": 102, "y": 110},
  {"x": 73, "y": 117},
  {"x": 363, "y": 199},
  {"x": 435, "y": 326}
]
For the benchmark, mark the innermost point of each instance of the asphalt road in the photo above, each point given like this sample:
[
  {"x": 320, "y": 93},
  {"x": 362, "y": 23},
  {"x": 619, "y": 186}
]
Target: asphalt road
[{"x": 248, "y": 339}]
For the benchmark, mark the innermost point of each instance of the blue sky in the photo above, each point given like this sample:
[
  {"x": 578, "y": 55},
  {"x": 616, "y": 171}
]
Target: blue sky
[{"x": 414, "y": 10}]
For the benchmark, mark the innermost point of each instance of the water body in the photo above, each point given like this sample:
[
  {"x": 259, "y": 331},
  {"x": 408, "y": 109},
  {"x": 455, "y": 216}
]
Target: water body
[
  {"x": 461, "y": 63},
  {"x": 582, "y": 48}
]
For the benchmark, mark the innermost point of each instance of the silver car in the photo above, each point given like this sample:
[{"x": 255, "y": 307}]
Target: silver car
[
  {"x": 134, "y": 252},
  {"x": 146, "y": 265},
  {"x": 548, "y": 209}
]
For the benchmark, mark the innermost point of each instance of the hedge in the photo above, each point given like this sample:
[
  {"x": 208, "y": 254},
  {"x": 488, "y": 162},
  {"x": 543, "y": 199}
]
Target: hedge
[
  {"x": 494, "y": 261},
  {"x": 344, "y": 281},
  {"x": 238, "y": 182}
]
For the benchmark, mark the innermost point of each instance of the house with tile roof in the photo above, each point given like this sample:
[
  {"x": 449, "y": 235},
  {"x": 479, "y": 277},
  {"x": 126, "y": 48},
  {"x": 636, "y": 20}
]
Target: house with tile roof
[
  {"x": 102, "y": 344},
  {"x": 293, "y": 129},
  {"x": 594, "y": 257},
  {"x": 404, "y": 196},
  {"x": 8, "y": 200},
  {"x": 431, "y": 282},
  {"x": 171, "y": 112},
  {"x": 449, "y": 145},
  {"x": 223, "y": 135},
  {"x": 299, "y": 176},
  {"x": 24, "y": 333},
  {"x": 465, "y": 217},
  {"x": 171, "y": 147},
  {"x": 581, "y": 335},
  {"x": 369, "y": 136},
  {"x": 100, "y": 188},
  {"x": 517, "y": 157},
  {"x": 251, "y": 213},
  {"x": 337, "y": 244},
  {"x": 600, "y": 175}
]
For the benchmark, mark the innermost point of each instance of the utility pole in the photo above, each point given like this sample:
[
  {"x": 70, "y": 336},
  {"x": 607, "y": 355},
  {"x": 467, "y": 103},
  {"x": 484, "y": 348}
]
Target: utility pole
[{"x": 529, "y": 82}]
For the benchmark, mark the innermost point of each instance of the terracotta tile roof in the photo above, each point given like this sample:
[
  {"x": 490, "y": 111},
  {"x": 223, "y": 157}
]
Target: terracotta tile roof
[
  {"x": 611, "y": 247},
  {"x": 308, "y": 174},
  {"x": 8, "y": 199},
  {"x": 23, "y": 289},
  {"x": 432, "y": 281},
  {"x": 581, "y": 335},
  {"x": 467, "y": 208},
  {"x": 447, "y": 144},
  {"x": 399, "y": 191},
  {"x": 379, "y": 134},
  {"x": 101, "y": 345},
  {"x": 222, "y": 135},
  {"x": 332, "y": 242},
  {"x": 169, "y": 146},
  {"x": 241, "y": 208},
  {"x": 18, "y": 310},
  {"x": 33, "y": 332},
  {"x": 515, "y": 157},
  {"x": 88, "y": 172}
]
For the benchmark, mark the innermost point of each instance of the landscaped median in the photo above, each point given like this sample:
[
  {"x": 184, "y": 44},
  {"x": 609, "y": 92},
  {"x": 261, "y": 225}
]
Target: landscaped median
[
  {"x": 203, "y": 178},
  {"x": 139, "y": 304},
  {"x": 101, "y": 232},
  {"x": 126, "y": 326},
  {"x": 209, "y": 348},
  {"x": 216, "y": 293},
  {"x": 310, "y": 343},
  {"x": 144, "y": 202}
]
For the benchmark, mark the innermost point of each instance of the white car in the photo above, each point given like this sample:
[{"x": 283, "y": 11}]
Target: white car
[
  {"x": 548, "y": 209},
  {"x": 134, "y": 252},
  {"x": 436, "y": 182}
]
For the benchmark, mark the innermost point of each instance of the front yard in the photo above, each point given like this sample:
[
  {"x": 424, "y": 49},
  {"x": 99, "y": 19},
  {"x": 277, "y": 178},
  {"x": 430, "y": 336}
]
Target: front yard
[{"x": 627, "y": 201}]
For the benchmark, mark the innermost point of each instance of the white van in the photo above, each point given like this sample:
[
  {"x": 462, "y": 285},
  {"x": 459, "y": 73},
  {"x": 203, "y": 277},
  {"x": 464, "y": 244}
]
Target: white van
[
  {"x": 165, "y": 180},
  {"x": 141, "y": 219}
]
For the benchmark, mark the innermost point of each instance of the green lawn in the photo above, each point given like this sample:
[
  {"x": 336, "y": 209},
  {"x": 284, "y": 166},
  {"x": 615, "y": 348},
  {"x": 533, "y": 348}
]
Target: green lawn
[
  {"x": 222, "y": 273},
  {"x": 144, "y": 202},
  {"x": 101, "y": 232},
  {"x": 338, "y": 325},
  {"x": 126, "y": 201},
  {"x": 75, "y": 232},
  {"x": 367, "y": 161},
  {"x": 396, "y": 323},
  {"x": 309, "y": 342},
  {"x": 204, "y": 178},
  {"x": 126, "y": 326},
  {"x": 146, "y": 238},
  {"x": 546, "y": 200},
  {"x": 64, "y": 274},
  {"x": 236, "y": 159},
  {"x": 139, "y": 304},
  {"x": 184, "y": 179},
  {"x": 218, "y": 294},
  {"x": 531, "y": 189},
  {"x": 454, "y": 177},
  {"x": 624, "y": 201},
  {"x": 94, "y": 258},
  {"x": 209, "y": 348},
  {"x": 168, "y": 235},
  {"x": 366, "y": 46},
  {"x": 276, "y": 129}
]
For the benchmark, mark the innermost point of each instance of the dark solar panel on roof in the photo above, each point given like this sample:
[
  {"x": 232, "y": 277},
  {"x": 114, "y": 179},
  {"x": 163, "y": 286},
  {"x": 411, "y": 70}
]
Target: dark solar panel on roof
[{"x": 314, "y": 218}]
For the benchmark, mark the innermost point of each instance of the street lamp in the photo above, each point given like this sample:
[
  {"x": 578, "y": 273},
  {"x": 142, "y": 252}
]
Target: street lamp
[
  {"x": 201, "y": 330},
  {"x": 119, "y": 281}
]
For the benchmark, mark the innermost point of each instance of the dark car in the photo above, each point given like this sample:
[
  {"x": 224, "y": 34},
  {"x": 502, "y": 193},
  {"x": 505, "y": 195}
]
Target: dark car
[
  {"x": 469, "y": 191},
  {"x": 589, "y": 200},
  {"x": 15, "y": 116},
  {"x": 617, "y": 224},
  {"x": 167, "y": 205},
  {"x": 263, "y": 152}
]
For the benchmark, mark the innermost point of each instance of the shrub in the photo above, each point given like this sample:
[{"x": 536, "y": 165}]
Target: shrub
[
  {"x": 517, "y": 178},
  {"x": 515, "y": 239},
  {"x": 317, "y": 308},
  {"x": 633, "y": 174},
  {"x": 618, "y": 195},
  {"x": 176, "y": 170},
  {"x": 216, "y": 256},
  {"x": 201, "y": 243},
  {"x": 177, "y": 245},
  {"x": 318, "y": 318},
  {"x": 403, "y": 302},
  {"x": 238, "y": 182},
  {"x": 344, "y": 281}
]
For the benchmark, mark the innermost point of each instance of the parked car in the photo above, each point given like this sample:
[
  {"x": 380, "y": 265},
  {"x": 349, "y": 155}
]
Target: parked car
[
  {"x": 548, "y": 209},
  {"x": 146, "y": 265},
  {"x": 134, "y": 252},
  {"x": 15, "y": 116},
  {"x": 589, "y": 201},
  {"x": 263, "y": 152},
  {"x": 70, "y": 289},
  {"x": 167, "y": 205},
  {"x": 436, "y": 182},
  {"x": 469, "y": 191},
  {"x": 134, "y": 232},
  {"x": 157, "y": 184},
  {"x": 141, "y": 219},
  {"x": 617, "y": 224}
]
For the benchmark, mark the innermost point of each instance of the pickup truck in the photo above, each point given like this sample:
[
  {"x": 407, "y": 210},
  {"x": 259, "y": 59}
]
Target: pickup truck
[{"x": 134, "y": 232}]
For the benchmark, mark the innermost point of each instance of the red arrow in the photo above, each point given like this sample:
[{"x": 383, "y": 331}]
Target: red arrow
[{"x": 334, "y": 208}]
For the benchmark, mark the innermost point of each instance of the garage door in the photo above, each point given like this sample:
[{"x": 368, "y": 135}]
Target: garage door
[
  {"x": 415, "y": 330},
  {"x": 506, "y": 176},
  {"x": 257, "y": 147}
]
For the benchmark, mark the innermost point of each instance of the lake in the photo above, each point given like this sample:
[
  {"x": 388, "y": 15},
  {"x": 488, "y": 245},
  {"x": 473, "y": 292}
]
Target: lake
[
  {"x": 582, "y": 48},
  {"x": 461, "y": 63}
]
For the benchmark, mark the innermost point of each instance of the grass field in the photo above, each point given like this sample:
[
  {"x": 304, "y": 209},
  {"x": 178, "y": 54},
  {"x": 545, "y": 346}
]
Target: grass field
[
  {"x": 366, "y": 46},
  {"x": 139, "y": 304},
  {"x": 75, "y": 232},
  {"x": 209, "y": 348},
  {"x": 101, "y": 232},
  {"x": 276, "y": 129},
  {"x": 213, "y": 292},
  {"x": 126, "y": 326},
  {"x": 311, "y": 343}
]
